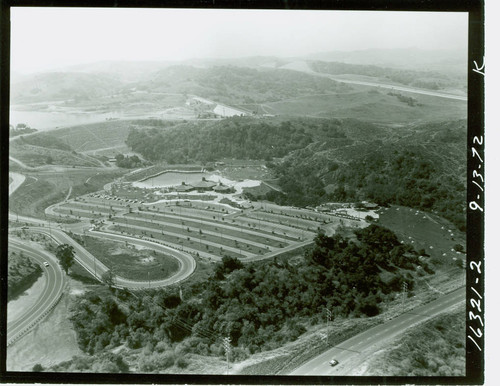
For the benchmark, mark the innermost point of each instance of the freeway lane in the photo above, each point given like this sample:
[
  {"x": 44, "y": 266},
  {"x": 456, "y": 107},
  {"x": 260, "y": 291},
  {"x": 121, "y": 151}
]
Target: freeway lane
[
  {"x": 352, "y": 347},
  {"x": 53, "y": 289},
  {"x": 95, "y": 267},
  {"x": 398, "y": 88},
  {"x": 388, "y": 86}
]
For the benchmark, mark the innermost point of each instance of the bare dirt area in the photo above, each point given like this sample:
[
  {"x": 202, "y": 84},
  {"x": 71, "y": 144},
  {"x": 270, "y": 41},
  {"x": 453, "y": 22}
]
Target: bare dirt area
[
  {"x": 16, "y": 307},
  {"x": 52, "y": 341}
]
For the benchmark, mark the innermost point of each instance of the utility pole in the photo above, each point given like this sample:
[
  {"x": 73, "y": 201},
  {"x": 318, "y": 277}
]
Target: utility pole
[
  {"x": 227, "y": 347},
  {"x": 328, "y": 319},
  {"x": 464, "y": 265},
  {"x": 405, "y": 288}
]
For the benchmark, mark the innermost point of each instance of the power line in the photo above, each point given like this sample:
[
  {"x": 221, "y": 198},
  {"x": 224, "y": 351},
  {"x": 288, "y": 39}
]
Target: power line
[
  {"x": 227, "y": 348},
  {"x": 405, "y": 288}
]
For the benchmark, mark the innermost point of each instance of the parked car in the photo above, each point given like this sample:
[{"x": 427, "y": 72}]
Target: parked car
[{"x": 333, "y": 362}]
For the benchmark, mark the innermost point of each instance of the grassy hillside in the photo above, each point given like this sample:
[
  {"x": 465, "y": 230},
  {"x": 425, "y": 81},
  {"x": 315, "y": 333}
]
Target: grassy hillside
[
  {"x": 49, "y": 154},
  {"x": 411, "y": 167},
  {"x": 95, "y": 136},
  {"x": 230, "y": 84},
  {"x": 431, "y": 80},
  {"x": 368, "y": 104},
  {"x": 319, "y": 160},
  {"x": 63, "y": 85},
  {"x": 42, "y": 189}
]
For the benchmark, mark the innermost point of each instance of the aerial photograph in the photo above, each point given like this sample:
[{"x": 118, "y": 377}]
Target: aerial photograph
[{"x": 237, "y": 192}]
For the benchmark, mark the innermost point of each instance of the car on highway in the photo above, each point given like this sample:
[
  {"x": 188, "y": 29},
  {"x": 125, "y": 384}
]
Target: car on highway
[
  {"x": 333, "y": 362},
  {"x": 45, "y": 263}
]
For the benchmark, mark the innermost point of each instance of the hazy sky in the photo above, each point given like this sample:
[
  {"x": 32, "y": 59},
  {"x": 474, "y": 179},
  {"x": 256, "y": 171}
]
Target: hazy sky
[{"x": 51, "y": 38}]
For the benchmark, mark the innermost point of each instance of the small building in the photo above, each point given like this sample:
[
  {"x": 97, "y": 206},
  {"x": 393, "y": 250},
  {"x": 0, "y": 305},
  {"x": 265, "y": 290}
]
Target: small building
[
  {"x": 369, "y": 205},
  {"x": 183, "y": 188},
  {"x": 204, "y": 185},
  {"x": 223, "y": 189}
]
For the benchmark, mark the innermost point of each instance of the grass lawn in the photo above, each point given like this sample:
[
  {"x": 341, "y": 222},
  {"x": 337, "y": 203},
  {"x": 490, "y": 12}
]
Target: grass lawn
[
  {"x": 95, "y": 136},
  {"x": 42, "y": 189},
  {"x": 246, "y": 172},
  {"x": 131, "y": 262},
  {"x": 424, "y": 230},
  {"x": 371, "y": 105}
]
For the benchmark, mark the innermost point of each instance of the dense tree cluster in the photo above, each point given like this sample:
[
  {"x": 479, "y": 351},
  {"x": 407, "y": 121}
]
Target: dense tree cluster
[
  {"x": 388, "y": 176},
  {"x": 242, "y": 138},
  {"x": 320, "y": 160},
  {"x": 127, "y": 162},
  {"x": 65, "y": 253},
  {"x": 404, "y": 98},
  {"x": 260, "y": 306},
  {"x": 20, "y": 129}
]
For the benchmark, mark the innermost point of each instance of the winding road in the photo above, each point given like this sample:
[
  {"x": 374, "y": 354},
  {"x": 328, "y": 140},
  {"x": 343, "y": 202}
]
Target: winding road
[
  {"x": 348, "y": 350},
  {"x": 54, "y": 276},
  {"x": 345, "y": 353},
  {"x": 94, "y": 266},
  {"x": 47, "y": 299}
]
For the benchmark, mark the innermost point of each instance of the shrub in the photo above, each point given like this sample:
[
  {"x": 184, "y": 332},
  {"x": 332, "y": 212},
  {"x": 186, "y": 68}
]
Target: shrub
[{"x": 182, "y": 362}]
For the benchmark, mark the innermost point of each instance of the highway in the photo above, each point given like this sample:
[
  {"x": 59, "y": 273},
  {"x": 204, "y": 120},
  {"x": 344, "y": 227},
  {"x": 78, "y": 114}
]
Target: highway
[
  {"x": 54, "y": 276},
  {"x": 48, "y": 298},
  {"x": 94, "y": 266},
  {"x": 344, "y": 352},
  {"x": 383, "y": 333},
  {"x": 388, "y": 86},
  {"x": 398, "y": 88}
]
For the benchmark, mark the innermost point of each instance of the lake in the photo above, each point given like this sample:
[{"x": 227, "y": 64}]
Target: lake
[
  {"x": 171, "y": 179},
  {"x": 46, "y": 120}
]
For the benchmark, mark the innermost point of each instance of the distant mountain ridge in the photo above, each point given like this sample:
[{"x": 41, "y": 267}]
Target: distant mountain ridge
[
  {"x": 239, "y": 80},
  {"x": 407, "y": 58}
]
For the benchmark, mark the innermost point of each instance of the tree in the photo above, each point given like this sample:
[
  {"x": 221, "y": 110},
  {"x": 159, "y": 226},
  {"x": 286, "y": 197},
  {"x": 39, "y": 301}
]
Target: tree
[
  {"x": 66, "y": 255},
  {"x": 459, "y": 247},
  {"x": 108, "y": 278}
]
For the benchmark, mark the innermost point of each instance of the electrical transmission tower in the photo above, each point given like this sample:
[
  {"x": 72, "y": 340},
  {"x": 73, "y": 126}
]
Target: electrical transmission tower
[
  {"x": 227, "y": 347},
  {"x": 405, "y": 289},
  {"x": 328, "y": 320}
]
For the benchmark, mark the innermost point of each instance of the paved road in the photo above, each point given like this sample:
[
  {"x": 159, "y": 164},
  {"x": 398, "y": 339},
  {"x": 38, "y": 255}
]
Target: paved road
[
  {"x": 93, "y": 265},
  {"x": 389, "y": 86},
  {"x": 96, "y": 268},
  {"x": 349, "y": 349},
  {"x": 399, "y": 88},
  {"x": 53, "y": 289}
]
